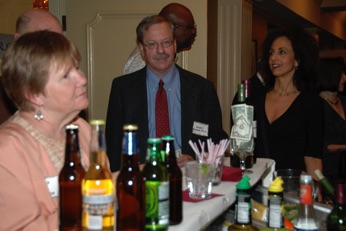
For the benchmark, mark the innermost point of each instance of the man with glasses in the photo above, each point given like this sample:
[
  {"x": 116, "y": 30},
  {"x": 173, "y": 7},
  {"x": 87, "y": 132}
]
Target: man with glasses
[
  {"x": 185, "y": 32},
  {"x": 193, "y": 113}
]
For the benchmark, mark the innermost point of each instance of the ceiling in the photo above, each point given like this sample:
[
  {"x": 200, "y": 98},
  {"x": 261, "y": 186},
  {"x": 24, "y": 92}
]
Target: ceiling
[{"x": 278, "y": 15}]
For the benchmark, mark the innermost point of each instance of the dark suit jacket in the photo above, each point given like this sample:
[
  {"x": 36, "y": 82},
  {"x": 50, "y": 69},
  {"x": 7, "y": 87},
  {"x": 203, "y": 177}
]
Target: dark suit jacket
[{"x": 128, "y": 105}]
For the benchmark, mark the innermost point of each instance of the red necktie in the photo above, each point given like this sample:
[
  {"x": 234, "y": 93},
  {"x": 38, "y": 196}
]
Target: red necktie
[{"x": 161, "y": 112}]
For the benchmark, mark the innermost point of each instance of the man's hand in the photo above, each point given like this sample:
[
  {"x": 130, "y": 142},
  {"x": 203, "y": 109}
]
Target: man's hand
[{"x": 183, "y": 159}]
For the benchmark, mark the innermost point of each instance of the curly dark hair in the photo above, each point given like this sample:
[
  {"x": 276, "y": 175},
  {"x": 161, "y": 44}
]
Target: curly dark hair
[{"x": 306, "y": 52}]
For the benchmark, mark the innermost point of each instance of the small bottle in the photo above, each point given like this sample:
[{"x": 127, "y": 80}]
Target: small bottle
[
  {"x": 275, "y": 205},
  {"x": 130, "y": 185},
  {"x": 306, "y": 219},
  {"x": 70, "y": 181},
  {"x": 175, "y": 181},
  {"x": 156, "y": 188},
  {"x": 97, "y": 186},
  {"x": 243, "y": 206},
  {"x": 336, "y": 220}
]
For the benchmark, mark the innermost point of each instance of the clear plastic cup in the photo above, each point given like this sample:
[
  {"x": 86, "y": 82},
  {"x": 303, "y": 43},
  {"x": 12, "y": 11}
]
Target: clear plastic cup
[
  {"x": 219, "y": 169},
  {"x": 199, "y": 179}
]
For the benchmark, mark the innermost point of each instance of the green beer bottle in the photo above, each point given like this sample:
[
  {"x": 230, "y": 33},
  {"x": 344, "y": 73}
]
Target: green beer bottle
[{"x": 157, "y": 188}]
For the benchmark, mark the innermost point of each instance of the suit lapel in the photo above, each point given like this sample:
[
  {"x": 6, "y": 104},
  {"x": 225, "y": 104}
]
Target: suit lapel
[{"x": 186, "y": 105}]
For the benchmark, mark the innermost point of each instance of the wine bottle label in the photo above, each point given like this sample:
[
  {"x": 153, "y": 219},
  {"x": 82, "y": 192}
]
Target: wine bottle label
[{"x": 157, "y": 201}]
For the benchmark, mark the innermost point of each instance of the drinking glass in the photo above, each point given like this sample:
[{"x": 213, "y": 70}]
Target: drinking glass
[
  {"x": 242, "y": 160},
  {"x": 219, "y": 169},
  {"x": 199, "y": 179}
]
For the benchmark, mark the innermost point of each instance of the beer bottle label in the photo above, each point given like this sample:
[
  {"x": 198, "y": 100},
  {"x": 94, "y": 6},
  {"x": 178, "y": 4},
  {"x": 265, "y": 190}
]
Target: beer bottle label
[{"x": 157, "y": 201}]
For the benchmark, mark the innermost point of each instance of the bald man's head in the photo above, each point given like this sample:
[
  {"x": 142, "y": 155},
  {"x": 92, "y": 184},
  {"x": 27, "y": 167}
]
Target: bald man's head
[
  {"x": 35, "y": 20},
  {"x": 185, "y": 30}
]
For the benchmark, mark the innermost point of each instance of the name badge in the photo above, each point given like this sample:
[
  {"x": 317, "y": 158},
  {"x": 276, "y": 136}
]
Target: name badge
[
  {"x": 200, "y": 129},
  {"x": 53, "y": 185}
]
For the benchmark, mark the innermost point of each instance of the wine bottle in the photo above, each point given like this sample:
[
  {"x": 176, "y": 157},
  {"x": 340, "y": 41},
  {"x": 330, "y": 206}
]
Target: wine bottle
[
  {"x": 325, "y": 183},
  {"x": 97, "y": 186},
  {"x": 175, "y": 181},
  {"x": 130, "y": 185},
  {"x": 243, "y": 219},
  {"x": 156, "y": 188},
  {"x": 275, "y": 205},
  {"x": 306, "y": 219},
  {"x": 70, "y": 181},
  {"x": 242, "y": 134},
  {"x": 336, "y": 220}
]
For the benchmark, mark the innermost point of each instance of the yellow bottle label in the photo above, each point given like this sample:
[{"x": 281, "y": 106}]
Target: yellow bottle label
[{"x": 98, "y": 204}]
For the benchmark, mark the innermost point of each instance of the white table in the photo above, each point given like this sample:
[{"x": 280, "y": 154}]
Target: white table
[{"x": 199, "y": 215}]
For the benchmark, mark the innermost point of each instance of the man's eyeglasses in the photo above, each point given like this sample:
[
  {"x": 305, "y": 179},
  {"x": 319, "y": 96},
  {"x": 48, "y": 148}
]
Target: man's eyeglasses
[
  {"x": 153, "y": 45},
  {"x": 194, "y": 26}
]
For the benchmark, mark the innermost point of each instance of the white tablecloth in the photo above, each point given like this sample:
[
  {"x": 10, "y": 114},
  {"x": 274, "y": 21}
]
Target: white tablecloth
[{"x": 199, "y": 215}]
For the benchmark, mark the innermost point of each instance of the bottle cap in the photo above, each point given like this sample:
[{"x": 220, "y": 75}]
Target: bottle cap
[
  {"x": 167, "y": 137},
  {"x": 72, "y": 126},
  {"x": 244, "y": 183},
  {"x": 241, "y": 86},
  {"x": 276, "y": 185},
  {"x": 154, "y": 141},
  {"x": 130, "y": 127},
  {"x": 305, "y": 179},
  {"x": 97, "y": 122}
]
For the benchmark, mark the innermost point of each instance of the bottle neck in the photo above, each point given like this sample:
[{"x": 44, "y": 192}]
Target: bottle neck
[
  {"x": 168, "y": 149},
  {"x": 130, "y": 156},
  {"x": 241, "y": 96},
  {"x": 72, "y": 147},
  {"x": 340, "y": 195},
  {"x": 154, "y": 154},
  {"x": 247, "y": 89},
  {"x": 98, "y": 146}
]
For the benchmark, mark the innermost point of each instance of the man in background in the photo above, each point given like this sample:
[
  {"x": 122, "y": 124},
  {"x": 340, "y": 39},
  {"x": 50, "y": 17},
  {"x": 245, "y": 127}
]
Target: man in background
[
  {"x": 185, "y": 32},
  {"x": 30, "y": 21},
  {"x": 193, "y": 108}
]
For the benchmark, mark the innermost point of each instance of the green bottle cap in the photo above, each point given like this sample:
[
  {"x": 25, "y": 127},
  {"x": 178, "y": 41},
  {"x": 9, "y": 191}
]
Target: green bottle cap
[
  {"x": 167, "y": 137},
  {"x": 244, "y": 183},
  {"x": 276, "y": 185},
  {"x": 154, "y": 141}
]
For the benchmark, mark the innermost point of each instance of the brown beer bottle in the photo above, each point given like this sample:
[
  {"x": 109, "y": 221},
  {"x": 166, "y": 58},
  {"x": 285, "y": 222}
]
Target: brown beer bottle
[
  {"x": 70, "y": 179},
  {"x": 175, "y": 181},
  {"x": 130, "y": 185}
]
